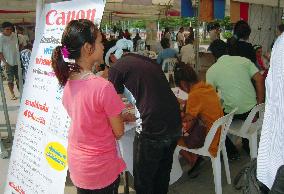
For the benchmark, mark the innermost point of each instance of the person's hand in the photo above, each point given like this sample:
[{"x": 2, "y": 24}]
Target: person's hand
[{"x": 128, "y": 117}]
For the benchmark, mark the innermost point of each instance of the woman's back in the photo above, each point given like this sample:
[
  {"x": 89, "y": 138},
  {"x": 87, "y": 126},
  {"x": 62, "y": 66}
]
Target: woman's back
[
  {"x": 92, "y": 154},
  {"x": 203, "y": 102}
]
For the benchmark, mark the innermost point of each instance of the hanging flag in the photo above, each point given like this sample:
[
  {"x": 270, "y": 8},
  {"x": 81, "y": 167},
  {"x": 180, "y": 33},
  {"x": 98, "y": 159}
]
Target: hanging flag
[
  {"x": 234, "y": 11},
  {"x": 206, "y": 10},
  {"x": 244, "y": 9},
  {"x": 186, "y": 8},
  {"x": 219, "y": 9}
]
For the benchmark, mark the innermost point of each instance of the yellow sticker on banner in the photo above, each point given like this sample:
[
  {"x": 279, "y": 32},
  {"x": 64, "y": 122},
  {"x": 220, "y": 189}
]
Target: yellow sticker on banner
[{"x": 56, "y": 155}]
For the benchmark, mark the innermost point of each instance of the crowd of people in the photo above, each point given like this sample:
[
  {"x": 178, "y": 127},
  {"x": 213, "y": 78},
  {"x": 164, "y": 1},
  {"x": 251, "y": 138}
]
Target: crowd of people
[{"x": 95, "y": 106}]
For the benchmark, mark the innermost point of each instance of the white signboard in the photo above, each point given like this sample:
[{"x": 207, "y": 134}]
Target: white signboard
[{"x": 38, "y": 163}]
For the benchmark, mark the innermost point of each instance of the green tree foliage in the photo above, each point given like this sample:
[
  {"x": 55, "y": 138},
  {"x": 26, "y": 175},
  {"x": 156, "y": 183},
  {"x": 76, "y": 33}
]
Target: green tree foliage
[
  {"x": 138, "y": 24},
  {"x": 176, "y": 22}
]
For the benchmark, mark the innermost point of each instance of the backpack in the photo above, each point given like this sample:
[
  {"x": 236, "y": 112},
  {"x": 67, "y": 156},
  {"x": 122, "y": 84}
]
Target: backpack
[{"x": 246, "y": 180}]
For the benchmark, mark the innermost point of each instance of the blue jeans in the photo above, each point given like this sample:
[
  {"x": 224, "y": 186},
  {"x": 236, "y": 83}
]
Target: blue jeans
[{"x": 152, "y": 164}]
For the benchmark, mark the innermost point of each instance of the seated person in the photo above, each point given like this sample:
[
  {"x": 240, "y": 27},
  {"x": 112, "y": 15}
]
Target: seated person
[
  {"x": 232, "y": 76},
  {"x": 263, "y": 68},
  {"x": 167, "y": 52},
  {"x": 203, "y": 103},
  {"x": 187, "y": 52}
]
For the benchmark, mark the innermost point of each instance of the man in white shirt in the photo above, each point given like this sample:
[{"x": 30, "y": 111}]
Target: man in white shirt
[
  {"x": 9, "y": 55},
  {"x": 271, "y": 146},
  {"x": 180, "y": 38}
]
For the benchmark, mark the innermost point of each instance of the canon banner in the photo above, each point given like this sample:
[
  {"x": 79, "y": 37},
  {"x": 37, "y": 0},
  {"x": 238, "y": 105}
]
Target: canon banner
[{"x": 38, "y": 163}]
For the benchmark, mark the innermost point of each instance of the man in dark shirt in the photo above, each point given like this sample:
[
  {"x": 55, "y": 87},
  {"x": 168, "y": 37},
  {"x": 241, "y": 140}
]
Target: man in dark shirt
[{"x": 156, "y": 139}]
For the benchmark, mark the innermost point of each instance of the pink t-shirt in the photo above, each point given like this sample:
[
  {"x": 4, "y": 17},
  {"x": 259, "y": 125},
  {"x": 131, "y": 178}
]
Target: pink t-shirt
[{"x": 93, "y": 158}]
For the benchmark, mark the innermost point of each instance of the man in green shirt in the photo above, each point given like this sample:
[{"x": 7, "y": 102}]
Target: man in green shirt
[{"x": 232, "y": 76}]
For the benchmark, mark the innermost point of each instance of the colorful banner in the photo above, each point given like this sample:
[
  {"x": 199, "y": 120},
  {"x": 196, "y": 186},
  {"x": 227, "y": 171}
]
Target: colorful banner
[
  {"x": 186, "y": 8},
  {"x": 219, "y": 9},
  {"x": 234, "y": 11},
  {"x": 38, "y": 163},
  {"x": 206, "y": 10},
  {"x": 244, "y": 8},
  {"x": 239, "y": 11}
]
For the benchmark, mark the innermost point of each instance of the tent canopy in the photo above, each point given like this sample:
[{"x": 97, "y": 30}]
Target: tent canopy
[{"x": 21, "y": 11}]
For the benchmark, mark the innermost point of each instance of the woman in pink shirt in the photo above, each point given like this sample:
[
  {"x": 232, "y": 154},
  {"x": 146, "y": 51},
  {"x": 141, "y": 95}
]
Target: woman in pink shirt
[{"x": 94, "y": 108}]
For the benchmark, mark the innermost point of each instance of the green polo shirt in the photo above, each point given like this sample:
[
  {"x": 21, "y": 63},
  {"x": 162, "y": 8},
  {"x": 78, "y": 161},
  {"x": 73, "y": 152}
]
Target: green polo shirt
[{"x": 231, "y": 75}]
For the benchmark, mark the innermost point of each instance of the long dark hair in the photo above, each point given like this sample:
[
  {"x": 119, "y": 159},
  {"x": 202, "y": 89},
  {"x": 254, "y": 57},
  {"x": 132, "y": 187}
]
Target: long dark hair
[{"x": 75, "y": 35}]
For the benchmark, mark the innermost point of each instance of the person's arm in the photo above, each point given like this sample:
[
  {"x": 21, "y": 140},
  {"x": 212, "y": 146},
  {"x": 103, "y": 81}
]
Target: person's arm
[
  {"x": 192, "y": 110},
  {"x": 2, "y": 58},
  {"x": 113, "y": 107},
  {"x": 117, "y": 126},
  {"x": 259, "y": 87},
  {"x": 159, "y": 58}
]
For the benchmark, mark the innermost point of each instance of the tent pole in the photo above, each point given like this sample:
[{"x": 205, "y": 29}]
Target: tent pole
[
  {"x": 5, "y": 108},
  {"x": 278, "y": 11},
  {"x": 197, "y": 11}
]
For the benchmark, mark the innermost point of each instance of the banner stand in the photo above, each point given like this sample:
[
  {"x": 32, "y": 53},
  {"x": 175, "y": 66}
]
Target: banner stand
[{"x": 5, "y": 108}]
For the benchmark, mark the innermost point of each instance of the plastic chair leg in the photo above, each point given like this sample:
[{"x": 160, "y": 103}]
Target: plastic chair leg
[
  {"x": 216, "y": 165},
  {"x": 253, "y": 145},
  {"x": 226, "y": 164}
]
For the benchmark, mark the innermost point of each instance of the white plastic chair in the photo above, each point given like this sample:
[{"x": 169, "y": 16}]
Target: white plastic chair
[
  {"x": 223, "y": 122},
  {"x": 249, "y": 130},
  {"x": 168, "y": 67}
]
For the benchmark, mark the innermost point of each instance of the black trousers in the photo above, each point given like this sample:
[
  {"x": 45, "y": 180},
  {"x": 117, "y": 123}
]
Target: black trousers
[
  {"x": 152, "y": 164},
  {"x": 111, "y": 189}
]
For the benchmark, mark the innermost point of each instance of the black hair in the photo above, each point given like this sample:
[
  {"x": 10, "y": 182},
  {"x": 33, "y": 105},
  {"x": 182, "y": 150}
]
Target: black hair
[
  {"x": 167, "y": 29},
  {"x": 185, "y": 73},
  {"x": 280, "y": 28},
  {"x": 218, "y": 48},
  {"x": 7, "y": 24},
  {"x": 75, "y": 35},
  {"x": 212, "y": 26},
  {"x": 165, "y": 43},
  {"x": 241, "y": 31}
]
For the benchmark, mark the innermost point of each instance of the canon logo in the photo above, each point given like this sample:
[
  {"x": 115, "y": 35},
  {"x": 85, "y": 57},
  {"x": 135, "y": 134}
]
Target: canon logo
[{"x": 56, "y": 17}]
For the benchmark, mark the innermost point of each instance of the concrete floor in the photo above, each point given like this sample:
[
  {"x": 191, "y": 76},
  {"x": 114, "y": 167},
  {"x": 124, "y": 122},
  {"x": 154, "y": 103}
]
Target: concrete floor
[{"x": 203, "y": 184}]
